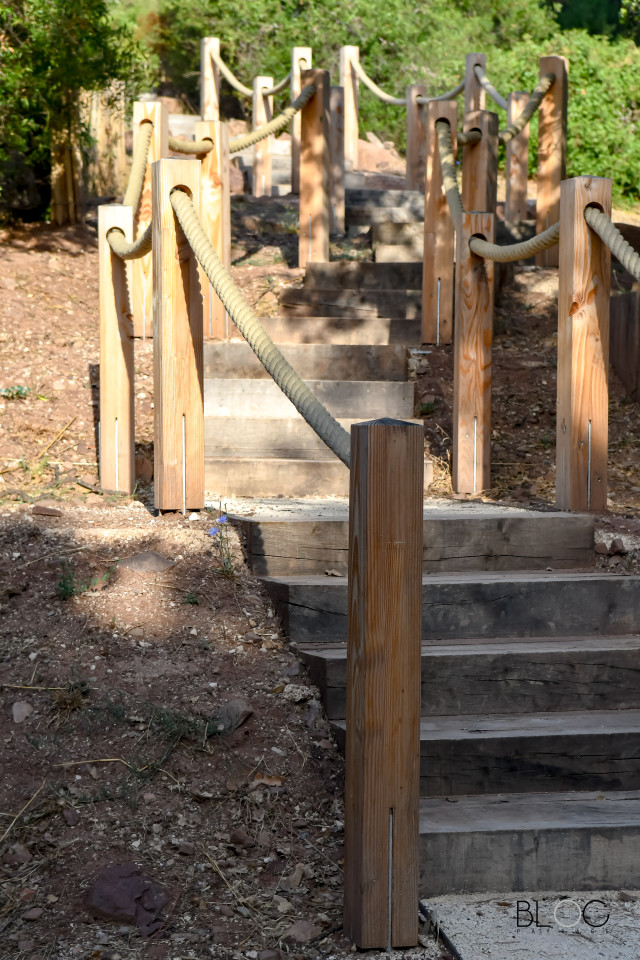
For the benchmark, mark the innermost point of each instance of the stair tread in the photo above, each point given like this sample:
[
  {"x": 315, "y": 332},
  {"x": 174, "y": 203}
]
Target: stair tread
[{"x": 525, "y": 576}]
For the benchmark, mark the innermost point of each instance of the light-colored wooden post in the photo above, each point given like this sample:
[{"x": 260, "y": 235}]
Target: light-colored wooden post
[
  {"x": 383, "y": 685},
  {"x": 480, "y": 163},
  {"x": 209, "y": 79},
  {"x": 474, "y": 93},
  {"x": 117, "y": 448},
  {"x": 416, "y": 137},
  {"x": 350, "y": 83},
  {"x": 216, "y": 220},
  {"x": 177, "y": 356},
  {"x": 472, "y": 336},
  {"x": 262, "y": 113},
  {"x": 517, "y": 162},
  {"x": 336, "y": 150},
  {"x": 301, "y": 59},
  {"x": 583, "y": 350},
  {"x": 552, "y": 152},
  {"x": 65, "y": 186},
  {"x": 141, "y": 269},
  {"x": 315, "y": 172},
  {"x": 439, "y": 233}
]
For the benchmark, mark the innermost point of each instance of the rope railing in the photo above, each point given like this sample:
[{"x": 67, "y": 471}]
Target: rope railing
[
  {"x": 537, "y": 96},
  {"x": 448, "y": 168},
  {"x": 602, "y": 224},
  {"x": 375, "y": 89},
  {"x": 190, "y": 146},
  {"x": 276, "y": 125},
  {"x": 138, "y": 166},
  {"x": 129, "y": 251},
  {"x": 230, "y": 77},
  {"x": 276, "y": 88},
  {"x": 484, "y": 82},
  {"x": 516, "y": 251},
  {"x": 469, "y": 136},
  {"x": 449, "y": 95}
]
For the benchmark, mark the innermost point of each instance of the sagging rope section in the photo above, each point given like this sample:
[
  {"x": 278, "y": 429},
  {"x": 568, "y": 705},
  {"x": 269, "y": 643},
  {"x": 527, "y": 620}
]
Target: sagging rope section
[
  {"x": 448, "y": 170},
  {"x": 484, "y": 82},
  {"x": 516, "y": 251},
  {"x": 129, "y": 251},
  {"x": 449, "y": 95},
  {"x": 230, "y": 77},
  {"x": 537, "y": 96},
  {"x": 190, "y": 146},
  {"x": 375, "y": 89},
  {"x": 276, "y": 88},
  {"x": 602, "y": 224},
  {"x": 138, "y": 166},
  {"x": 276, "y": 125}
]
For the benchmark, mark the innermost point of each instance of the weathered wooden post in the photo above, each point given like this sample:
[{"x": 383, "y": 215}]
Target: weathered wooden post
[
  {"x": 177, "y": 356},
  {"x": 209, "y": 79},
  {"x": 472, "y": 342},
  {"x": 216, "y": 220},
  {"x": 383, "y": 684},
  {"x": 116, "y": 431},
  {"x": 474, "y": 93},
  {"x": 142, "y": 286},
  {"x": 315, "y": 171},
  {"x": 439, "y": 233},
  {"x": 336, "y": 150},
  {"x": 552, "y": 152},
  {"x": 349, "y": 82},
  {"x": 517, "y": 162},
  {"x": 301, "y": 59},
  {"x": 480, "y": 163},
  {"x": 583, "y": 349},
  {"x": 416, "y": 137},
  {"x": 262, "y": 113}
]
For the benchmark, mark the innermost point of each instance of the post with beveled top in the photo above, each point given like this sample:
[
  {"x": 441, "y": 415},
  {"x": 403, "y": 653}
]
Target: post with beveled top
[
  {"x": 177, "y": 355},
  {"x": 480, "y": 163},
  {"x": 142, "y": 288},
  {"x": 315, "y": 174},
  {"x": 336, "y": 151},
  {"x": 474, "y": 93},
  {"x": 216, "y": 220},
  {"x": 552, "y": 152},
  {"x": 383, "y": 684},
  {"x": 439, "y": 232},
  {"x": 472, "y": 342},
  {"x": 262, "y": 113},
  {"x": 209, "y": 79},
  {"x": 517, "y": 162},
  {"x": 301, "y": 59},
  {"x": 416, "y": 137},
  {"x": 116, "y": 431},
  {"x": 583, "y": 349},
  {"x": 349, "y": 81}
]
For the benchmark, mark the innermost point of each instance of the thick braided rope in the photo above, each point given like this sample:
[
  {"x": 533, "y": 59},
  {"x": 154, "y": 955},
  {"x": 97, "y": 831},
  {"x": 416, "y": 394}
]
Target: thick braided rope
[
  {"x": 229, "y": 77},
  {"x": 448, "y": 168},
  {"x": 516, "y": 251},
  {"x": 276, "y": 88},
  {"x": 601, "y": 224},
  {"x": 247, "y": 322},
  {"x": 190, "y": 146},
  {"x": 484, "y": 81},
  {"x": 469, "y": 136},
  {"x": 138, "y": 166},
  {"x": 449, "y": 95},
  {"x": 276, "y": 125},
  {"x": 375, "y": 89},
  {"x": 129, "y": 251},
  {"x": 532, "y": 104}
]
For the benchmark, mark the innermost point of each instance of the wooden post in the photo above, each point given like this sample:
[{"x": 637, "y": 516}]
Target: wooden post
[
  {"x": 336, "y": 151},
  {"x": 262, "y": 113},
  {"x": 209, "y": 79},
  {"x": 117, "y": 449},
  {"x": 552, "y": 152},
  {"x": 416, "y": 137},
  {"x": 301, "y": 59},
  {"x": 383, "y": 685},
  {"x": 517, "y": 162},
  {"x": 349, "y": 82},
  {"x": 65, "y": 186},
  {"x": 216, "y": 220},
  {"x": 474, "y": 93},
  {"x": 439, "y": 233},
  {"x": 583, "y": 350},
  {"x": 480, "y": 163},
  {"x": 141, "y": 269},
  {"x": 473, "y": 335},
  {"x": 314, "y": 172},
  {"x": 177, "y": 356}
]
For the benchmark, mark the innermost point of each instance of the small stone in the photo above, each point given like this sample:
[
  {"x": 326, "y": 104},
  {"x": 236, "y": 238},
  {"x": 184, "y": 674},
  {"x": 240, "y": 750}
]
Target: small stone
[
  {"x": 94, "y": 500},
  {"x": 186, "y": 848},
  {"x": 27, "y": 894},
  {"x": 301, "y": 932},
  {"x": 71, "y": 816},
  {"x": 193, "y": 632},
  {"x": 617, "y": 547},
  {"x": 297, "y": 692},
  {"x": 226, "y": 911},
  {"x": 21, "y": 710},
  {"x": 136, "y": 632},
  {"x": 232, "y": 715},
  {"x": 147, "y": 562},
  {"x": 33, "y": 914},
  {"x": 149, "y": 797},
  {"x": 241, "y": 839},
  {"x": 41, "y": 510},
  {"x": 270, "y": 955},
  {"x": 293, "y": 669},
  {"x": 193, "y": 517},
  {"x": 252, "y": 637},
  {"x": 26, "y": 946},
  {"x": 601, "y": 548}
]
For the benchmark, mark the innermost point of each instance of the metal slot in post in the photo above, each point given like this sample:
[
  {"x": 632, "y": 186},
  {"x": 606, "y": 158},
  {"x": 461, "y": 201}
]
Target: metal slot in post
[
  {"x": 475, "y": 454},
  {"x": 589, "y": 469},
  {"x": 389, "y": 916},
  {"x": 117, "y": 464},
  {"x": 184, "y": 468},
  {"x": 309, "y": 237},
  {"x": 438, "y": 316},
  {"x": 99, "y": 452}
]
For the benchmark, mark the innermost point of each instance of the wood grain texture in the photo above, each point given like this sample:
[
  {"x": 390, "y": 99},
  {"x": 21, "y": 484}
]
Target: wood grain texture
[
  {"x": 583, "y": 350},
  {"x": 350, "y": 83},
  {"x": 439, "y": 233},
  {"x": 315, "y": 174},
  {"x": 336, "y": 150},
  {"x": 624, "y": 346},
  {"x": 552, "y": 152},
  {"x": 338, "y": 330},
  {"x": 177, "y": 358},
  {"x": 209, "y": 79},
  {"x": 262, "y": 113},
  {"x": 473, "y": 338},
  {"x": 517, "y": 160},
  {"x": 318, "y": 361},
  {"x": 117, "y": 429},
  {"x": 416, "y": 137},
  {"x": 474, "y": 93},
  {"x": 301, "y": 59},
  {"x": 383, "y": 709},
  {"x": 480, "y": 163},
  {"x": 141, "y": 269},
  {"x": 216, "y": 220}
]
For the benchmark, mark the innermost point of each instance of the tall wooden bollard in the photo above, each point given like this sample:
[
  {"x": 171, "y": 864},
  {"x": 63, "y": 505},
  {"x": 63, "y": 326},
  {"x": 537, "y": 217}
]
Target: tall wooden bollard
[
  {"x": 552, "y": 152},
  {"x": 216, "y": 220},
  {"x": 439, "y": 233},
  {"x": 262, "y": 113},
  {"x": 336, "y": 151},
  {"x": 583, "y": 350},
  {"x": 480, "y": 163},
  {"x": 209, "y": 79},
  {"x": 117, "y": 433},
  {"x": 383, "y": 685},
  {"x": 416, "y": 137},
  {"x": 474, "y": 93},
  {"x": 301, "y": 59},
  {"x": 141, "y": 269},
  {"x": 350, "y": 83},
  {"x": 517, "y": 162},
  {"x": 472, "y": 342},
  {"x": 177, "y": 356},
  {"x": 315, "y": 174}
]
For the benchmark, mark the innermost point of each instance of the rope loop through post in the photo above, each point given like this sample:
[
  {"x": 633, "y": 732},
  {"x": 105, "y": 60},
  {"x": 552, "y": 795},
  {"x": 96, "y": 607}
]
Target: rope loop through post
[
  {"x": 129, "y": 251},
  {"x": 484, "y": 81},
  {"x": 448, "y": 168},
  {"x": 622, "y": 250},
  {"x": 516, "y": 251},
  {"x": 229, "y": 76},
  {"x": 190, "y": 146},
  {"x": 536, "y": 98}
]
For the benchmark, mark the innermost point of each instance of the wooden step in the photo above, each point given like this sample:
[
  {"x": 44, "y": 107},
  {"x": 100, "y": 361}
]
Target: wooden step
[
  {"x": 399, "y": 303},
  {"x": 362, "y": 275},
  {"x": 395, "y": 234},
  {"x": 390, "y": 199},
  {"x": 507, "y": 677},
  {"x": 362, "y": 400},
  {"x": 468, "y": 537},
  {"x": 398, "y": 253},
  {"x": 540, "y": 752},
  {"x": 474, "y": 606},
  {"x": 313, "y": 361},
  {"x": 343, "y": 330},
  {"x": 530, "y": 841}
]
